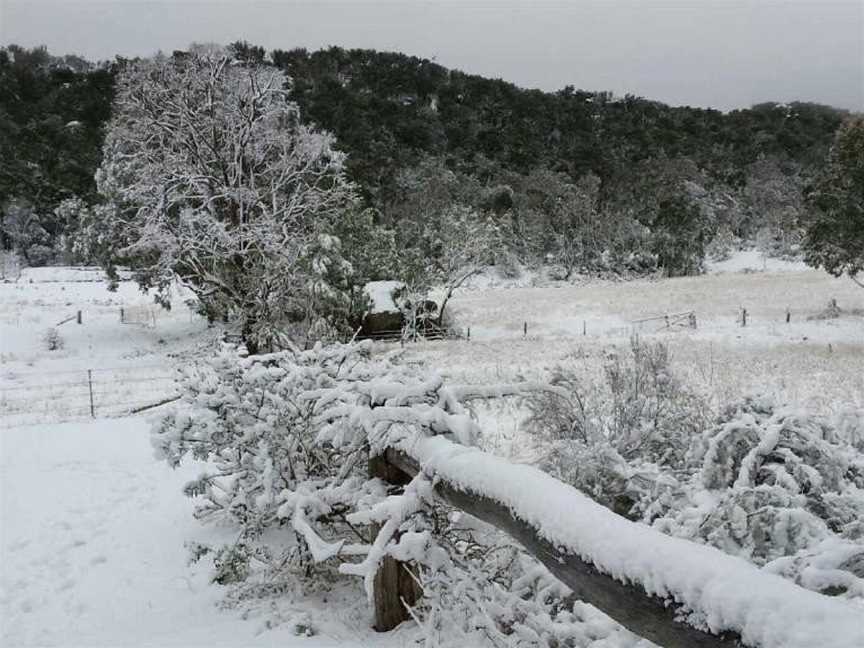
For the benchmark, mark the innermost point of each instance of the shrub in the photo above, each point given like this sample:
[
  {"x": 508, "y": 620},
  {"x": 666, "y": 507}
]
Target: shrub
[{"x": 52, "y": 339}]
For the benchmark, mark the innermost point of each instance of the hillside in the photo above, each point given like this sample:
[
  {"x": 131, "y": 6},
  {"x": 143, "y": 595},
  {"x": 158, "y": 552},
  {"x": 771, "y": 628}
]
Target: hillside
[{"x": 421, "y": 138}]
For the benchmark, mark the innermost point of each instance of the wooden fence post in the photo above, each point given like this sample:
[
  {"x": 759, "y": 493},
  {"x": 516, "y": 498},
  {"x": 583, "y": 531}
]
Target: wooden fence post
[
  {"x": 743, "y": 317},
  {"x": 79, "y": 316},
  {"x": 90, "y": 385},
  {"x": 788, "y": 315},
  {"x": 469, "y": 333},
  {"x": 524, "y": 329},
  {"x": 395, "y": 586}
]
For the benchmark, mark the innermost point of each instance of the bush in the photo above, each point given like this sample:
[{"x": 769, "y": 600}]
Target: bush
[
  {"x": 52, "y": 339},
  {"x": 617, "y": 438},
  {"x": 287, "y": 437},
  {"x": 782, "y": 489},
  {"x": 507, "y": 265}
]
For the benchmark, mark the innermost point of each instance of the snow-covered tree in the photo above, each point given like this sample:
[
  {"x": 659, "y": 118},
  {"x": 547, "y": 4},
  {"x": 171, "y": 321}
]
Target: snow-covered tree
[
  {"x": 210, "y": 179},
  {"x": 461, "y": 247}
]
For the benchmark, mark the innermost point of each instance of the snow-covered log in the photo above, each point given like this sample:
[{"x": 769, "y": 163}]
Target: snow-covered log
[{"x": 674, "y": 592}]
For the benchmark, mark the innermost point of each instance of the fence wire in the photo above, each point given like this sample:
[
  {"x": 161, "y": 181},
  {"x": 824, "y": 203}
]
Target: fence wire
[{"x": 48, "y": 397}]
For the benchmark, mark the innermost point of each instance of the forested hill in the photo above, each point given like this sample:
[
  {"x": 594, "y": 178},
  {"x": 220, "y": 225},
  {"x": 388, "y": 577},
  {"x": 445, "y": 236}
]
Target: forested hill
[
  {"x": 387, "y": 109},
  {"x": 638, "y": 175}
]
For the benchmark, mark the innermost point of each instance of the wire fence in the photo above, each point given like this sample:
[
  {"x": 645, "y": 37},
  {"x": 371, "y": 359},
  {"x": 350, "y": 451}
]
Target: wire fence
[{"x": 43, "y": 397}]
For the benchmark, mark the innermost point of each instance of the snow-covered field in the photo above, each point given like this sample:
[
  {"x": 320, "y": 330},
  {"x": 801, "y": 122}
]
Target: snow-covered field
[
  {"x": 92, "y": 527},
  {"x": 93, "y": 533},
  {"x": 131, "y": 365},
  {"x": 807, "y": 361}
]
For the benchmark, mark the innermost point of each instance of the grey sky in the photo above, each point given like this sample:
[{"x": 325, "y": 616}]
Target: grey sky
[{"x": 720, "y": 53}]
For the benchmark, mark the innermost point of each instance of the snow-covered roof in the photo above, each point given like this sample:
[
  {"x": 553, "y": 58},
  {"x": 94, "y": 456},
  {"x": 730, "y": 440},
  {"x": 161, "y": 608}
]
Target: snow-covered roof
[{"x": 381, "y": 294}]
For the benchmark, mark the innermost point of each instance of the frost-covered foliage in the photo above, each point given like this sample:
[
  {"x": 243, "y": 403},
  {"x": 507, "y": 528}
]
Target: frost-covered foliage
[
  {"x": 287, "y": 437},
  {"x": 52, "y": 339},
  {"x": 10, "y": 265},
  {"x": 615, "y": 437},
  {"x": 783, "y": 489},
  {"x": 497, "y": 596},
  {"x": 251, "y": 421},
  {"x": 780, "y": 488},
  {"x": 210, "y": 178}
]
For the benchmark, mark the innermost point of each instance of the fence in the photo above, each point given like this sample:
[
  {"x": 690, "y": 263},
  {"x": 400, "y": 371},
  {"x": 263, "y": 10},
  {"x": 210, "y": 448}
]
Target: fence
[
  {"x": 41, "y": 397},
  {"x": 547, "y": 526},
  {"x": 140, "y": 315}
]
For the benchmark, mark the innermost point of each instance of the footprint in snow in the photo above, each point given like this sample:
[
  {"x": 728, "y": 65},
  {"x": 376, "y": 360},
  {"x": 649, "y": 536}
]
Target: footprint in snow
[
  {"x": 65, "y": 585},
  {"x": 18, "y": 546}
]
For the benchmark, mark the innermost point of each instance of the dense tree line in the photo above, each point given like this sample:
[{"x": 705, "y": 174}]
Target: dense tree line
[
  {"x": 583, "y": 180},
  {"x": 52, "y": 116}
]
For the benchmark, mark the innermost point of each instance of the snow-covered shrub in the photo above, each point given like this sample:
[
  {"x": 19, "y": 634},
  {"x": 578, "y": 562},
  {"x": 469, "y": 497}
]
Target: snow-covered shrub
[
  {"x": 249, "y": 419},
  {"x": 653, "y": 415},
  {"x": 722, "y": 245},
  {"x": 782, "y": 489},
  {"x": 495, "y": 595},
  {"x": 507, "y": 265},
  {"x": 52, "y": 339},
  {"x": 620, "y": 438},
  {"x": 287, "y": 437},
  {"x": 10, "y": 265}
]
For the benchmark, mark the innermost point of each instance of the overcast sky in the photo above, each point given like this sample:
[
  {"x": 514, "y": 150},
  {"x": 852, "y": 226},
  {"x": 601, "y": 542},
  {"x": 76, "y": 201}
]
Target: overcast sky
[{"x": 719, "y": 53}]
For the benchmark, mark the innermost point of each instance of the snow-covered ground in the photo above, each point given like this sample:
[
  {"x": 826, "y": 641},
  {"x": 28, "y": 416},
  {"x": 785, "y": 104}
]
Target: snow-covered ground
[
  {"x": 817, "y": 362},
  {"x": 92, "y": 528},
  {"x": 92, "y": 552},
  {"x": 131, "y": 365}
]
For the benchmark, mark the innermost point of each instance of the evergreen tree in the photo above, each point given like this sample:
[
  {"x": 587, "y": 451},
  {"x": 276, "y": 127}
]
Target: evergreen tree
[{"x": 835, "y": 224}]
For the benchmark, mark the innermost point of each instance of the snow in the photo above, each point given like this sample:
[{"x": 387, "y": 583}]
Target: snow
[
  {"x": 813, "y": 363},
  {"x": 131, "y": 365},
  {"x": 92, "y": 553},
  {"x": 721, "y": 591},
  {"x": 381, "y": 295},
  {"x": 752, "y": 260},
  {"x": 92, "y": 528}
]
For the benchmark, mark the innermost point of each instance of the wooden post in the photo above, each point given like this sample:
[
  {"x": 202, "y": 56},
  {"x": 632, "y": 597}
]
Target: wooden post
[
  {"x": 468, "y": 336},
  {"x": 788, "y": 315},
  {"x": 79, "y": 317},
  {"x": 122, "y": 319},
  {"x": 90, "y": 385},
  {"x": 743, "y": 317},
  {"x": 641, "y": 612},
  {"x": 395, "y": 587},
  {"x": 524, "y": 329},
  {"x": 584, "y": 328}
]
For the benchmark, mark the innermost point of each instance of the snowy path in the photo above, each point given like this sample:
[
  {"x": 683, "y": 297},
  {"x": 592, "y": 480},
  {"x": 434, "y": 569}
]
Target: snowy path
[{"x": 91, "y": 548}]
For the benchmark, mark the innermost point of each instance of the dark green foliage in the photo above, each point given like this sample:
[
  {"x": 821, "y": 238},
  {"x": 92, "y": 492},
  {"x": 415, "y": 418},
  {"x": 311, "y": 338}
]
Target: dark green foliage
[
  {"x": 679, "y": 237},
  {"x": 422, "y": 138},
  {"x": 835, "y": 226},
  {"x": 52, "y": 110},
  {"x": 386, "y": 109}
]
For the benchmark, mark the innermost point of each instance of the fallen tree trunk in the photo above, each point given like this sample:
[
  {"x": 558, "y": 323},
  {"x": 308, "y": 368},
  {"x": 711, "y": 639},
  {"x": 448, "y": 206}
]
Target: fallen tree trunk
[{"x": 645, "y": 615}]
